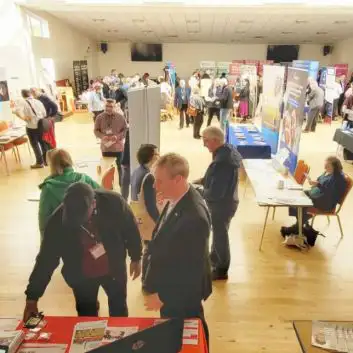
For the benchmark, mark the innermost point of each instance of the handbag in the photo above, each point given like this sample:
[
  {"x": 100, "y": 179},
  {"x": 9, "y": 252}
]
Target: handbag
[{"x": 192, "y": 111}]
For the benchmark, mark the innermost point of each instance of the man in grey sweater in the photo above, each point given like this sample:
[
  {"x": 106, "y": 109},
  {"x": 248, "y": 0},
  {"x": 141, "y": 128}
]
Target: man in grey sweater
[{"x": 316, "y": 102}]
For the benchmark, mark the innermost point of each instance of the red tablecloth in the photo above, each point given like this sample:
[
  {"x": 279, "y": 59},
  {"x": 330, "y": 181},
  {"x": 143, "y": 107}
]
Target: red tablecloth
[{"x": 62, "y": 329}]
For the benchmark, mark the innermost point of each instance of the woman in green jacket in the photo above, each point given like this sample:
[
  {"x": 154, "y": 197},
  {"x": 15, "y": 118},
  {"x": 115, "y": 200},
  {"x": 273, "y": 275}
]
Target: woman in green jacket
[{"x": 53, "y": 188}]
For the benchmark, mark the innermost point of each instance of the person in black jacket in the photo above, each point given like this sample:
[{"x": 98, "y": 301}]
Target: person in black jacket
[
  {"x": 50, "y": 106},
  {"x": 125, "y": 164},
  {"x": 220, "y": 190},
  {"x": 91, "y": 232},
  {"x": 178, "y": 277},
  {"x": 226, "y": 103}
]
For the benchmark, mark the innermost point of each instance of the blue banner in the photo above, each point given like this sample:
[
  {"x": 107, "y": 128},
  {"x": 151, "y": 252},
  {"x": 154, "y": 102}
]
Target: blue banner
[
  {"x": 311, "y": 66},
  {"x": 293, "y": 116}
]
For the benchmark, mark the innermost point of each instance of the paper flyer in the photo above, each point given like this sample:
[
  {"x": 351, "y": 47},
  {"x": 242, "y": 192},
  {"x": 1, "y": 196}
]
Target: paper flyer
[
  {"x": 117, "y": 333},
  {"x": 42, "y": 348},
  {"x": 87, "y": 335}
]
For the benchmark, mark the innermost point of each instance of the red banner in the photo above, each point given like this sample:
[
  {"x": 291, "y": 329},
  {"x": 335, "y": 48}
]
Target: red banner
[
  {"x": 341, "y": 69},
  {"x": 234, "y": 69}
]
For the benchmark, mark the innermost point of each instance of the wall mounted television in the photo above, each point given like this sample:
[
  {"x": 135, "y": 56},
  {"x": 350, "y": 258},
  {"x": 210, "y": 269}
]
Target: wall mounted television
[
  {"x": 282, "y": 53},
  {"x": 146, "y": 52}
]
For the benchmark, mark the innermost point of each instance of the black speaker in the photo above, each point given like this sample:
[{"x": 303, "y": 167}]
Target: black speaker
[
  {"x": 104, "y": 47},
  {"x": 327, "y": 49}
]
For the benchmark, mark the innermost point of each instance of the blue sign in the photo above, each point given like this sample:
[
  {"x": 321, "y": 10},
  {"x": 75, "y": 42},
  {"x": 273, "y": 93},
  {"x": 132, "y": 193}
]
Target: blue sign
[{"x": 311, "y": 66}]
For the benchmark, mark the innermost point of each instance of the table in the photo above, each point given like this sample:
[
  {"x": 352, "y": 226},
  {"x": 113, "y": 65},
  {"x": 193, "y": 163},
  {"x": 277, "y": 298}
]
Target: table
[
  {"x": 344, "y": 138},
  {"x": 250, "y": 147},
  {"x": 10, "y": 136},
  {"x": 303, "y": 330},
  {"x": 264, "y": 179},
  {"x": 62, "y": 329}
]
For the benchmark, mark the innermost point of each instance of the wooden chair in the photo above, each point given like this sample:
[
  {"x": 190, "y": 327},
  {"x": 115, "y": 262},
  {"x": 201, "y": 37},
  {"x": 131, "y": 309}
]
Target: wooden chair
[
  {"x": 300, "y": 176},
  {"x": 108, "y": 178},
  {"x": 315, "y": 212},
  {"x": 6, "y": 147}
]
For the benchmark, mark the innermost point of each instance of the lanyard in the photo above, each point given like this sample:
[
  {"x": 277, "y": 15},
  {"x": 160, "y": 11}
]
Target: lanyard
[{"x": 91, "y": 235}]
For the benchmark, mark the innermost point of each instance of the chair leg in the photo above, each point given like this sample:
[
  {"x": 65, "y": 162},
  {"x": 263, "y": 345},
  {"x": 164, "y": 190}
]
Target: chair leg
[
  {"x": 263, "y": 230},
  {"x": 328, "y": 220},
  {"x": 340, "y": 225},
  {"x": 274, "y": 212},
  {"x": 312, "y": 221},
  {"x": 14, "y": 153},
  {"x": 29, "y": 149},
  {"x": 3, "y": 155},
  {"x": 18, "y": 154}
]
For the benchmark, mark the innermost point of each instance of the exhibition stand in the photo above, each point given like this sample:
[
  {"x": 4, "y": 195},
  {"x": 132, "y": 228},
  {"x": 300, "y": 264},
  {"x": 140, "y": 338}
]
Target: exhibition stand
[
  {"x": 344, "y": 138},
  {"x": 249, "y": 142}
]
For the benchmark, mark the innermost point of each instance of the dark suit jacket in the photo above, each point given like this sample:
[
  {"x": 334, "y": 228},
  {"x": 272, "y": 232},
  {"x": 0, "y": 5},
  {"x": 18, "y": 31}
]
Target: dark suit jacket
[{"x": 179, "y": 269}]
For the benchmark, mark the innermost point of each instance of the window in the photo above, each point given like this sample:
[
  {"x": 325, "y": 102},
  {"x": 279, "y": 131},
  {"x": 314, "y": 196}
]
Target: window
[{"x": 38, "y": 26}]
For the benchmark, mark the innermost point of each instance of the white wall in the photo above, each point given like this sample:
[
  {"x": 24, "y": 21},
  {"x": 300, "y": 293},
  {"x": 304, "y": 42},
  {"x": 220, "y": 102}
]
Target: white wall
[
  {"x": 343, "y": 53},
  {"x": 65, "y": 45},
  {"x": 187, "y": 56}
]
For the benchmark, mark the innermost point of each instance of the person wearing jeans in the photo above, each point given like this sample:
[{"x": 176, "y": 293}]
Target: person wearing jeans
[
  {"x": 110, "y": 127},
  {"x": 197, "y": 103},
  {"x": 91, "y": 232},
  {"x": 182, "y": 97},
  {"x": 32, "y": 111},
  {"x": 226, "y": 103}
]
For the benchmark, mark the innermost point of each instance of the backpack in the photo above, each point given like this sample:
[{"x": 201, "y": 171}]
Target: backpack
[{"x": 308, "y": 239}]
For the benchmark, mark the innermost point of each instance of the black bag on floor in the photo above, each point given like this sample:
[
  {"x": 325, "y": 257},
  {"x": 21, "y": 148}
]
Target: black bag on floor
[{"x": 310, "y": 233}]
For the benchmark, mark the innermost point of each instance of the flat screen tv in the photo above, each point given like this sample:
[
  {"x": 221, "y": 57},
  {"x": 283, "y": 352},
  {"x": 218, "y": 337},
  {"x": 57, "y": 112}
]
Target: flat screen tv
[
  {"x": 146, "y": 52},
  {"x": 282, "y": 53}
]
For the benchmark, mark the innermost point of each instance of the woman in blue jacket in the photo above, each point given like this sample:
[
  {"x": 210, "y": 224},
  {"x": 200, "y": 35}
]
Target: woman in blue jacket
[{"x": 326, "y": 192}]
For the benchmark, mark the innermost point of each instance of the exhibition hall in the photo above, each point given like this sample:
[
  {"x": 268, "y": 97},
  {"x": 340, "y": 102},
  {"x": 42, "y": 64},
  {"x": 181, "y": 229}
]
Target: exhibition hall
[{"x": 176, "y": 176}]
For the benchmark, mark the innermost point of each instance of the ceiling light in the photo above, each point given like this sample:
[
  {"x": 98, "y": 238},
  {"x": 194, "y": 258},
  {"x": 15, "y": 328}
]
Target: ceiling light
[
  {"x": 321, "y": 33},
  {"x": 113, "y": 30},
  {"x": 340, "y": 22},
  {"x": 259, "y": 37},
  {"x": 307, "y": 41},
  {"x": 286, "y": 32},
  {"x": 147, "y": 31},
  {"x": 300, "y": 22},
  {"x": 172, "y": 36},
  {"x": 239, "y": 32},
  {"x": 98, "y": 19},
  {"x": 192, "y": 22}
]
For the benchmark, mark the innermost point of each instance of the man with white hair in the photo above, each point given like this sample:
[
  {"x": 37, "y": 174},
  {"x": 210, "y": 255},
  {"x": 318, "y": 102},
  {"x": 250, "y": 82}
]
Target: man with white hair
[
  {"x": 316, "y": 102},
  {"x": 220, "y": 190},
  {"x": 226, "y": 103}
]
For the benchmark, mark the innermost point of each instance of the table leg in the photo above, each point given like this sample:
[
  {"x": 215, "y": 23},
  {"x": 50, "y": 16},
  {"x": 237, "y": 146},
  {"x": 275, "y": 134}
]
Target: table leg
[
  {"x": 5, "y": 160},
  {"x": 246, "y": 185},
  {"x": 263, "y": 231},
  {"x": 300, "y": 221}
]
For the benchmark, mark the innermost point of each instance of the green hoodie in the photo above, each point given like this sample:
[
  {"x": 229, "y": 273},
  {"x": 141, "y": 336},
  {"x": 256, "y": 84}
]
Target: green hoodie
[{"x": 53, "y": 190}]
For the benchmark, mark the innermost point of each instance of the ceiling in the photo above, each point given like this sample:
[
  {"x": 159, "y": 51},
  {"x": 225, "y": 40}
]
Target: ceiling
[{"x": 285, "y": 24}]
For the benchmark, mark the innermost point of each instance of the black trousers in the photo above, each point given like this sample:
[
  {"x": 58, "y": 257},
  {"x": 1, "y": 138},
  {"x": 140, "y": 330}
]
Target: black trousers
[
  {"x": 39, "y": 146},
  {"x": 125, "y": 183},
  {"x": 145, "y": 259},
  {"x": 118, "y": 156},
  {"x": 184, "y": 116},
  {"x": 169, "y": 311},
  {"x": 86, "y": 295},
  {"x": 220, "y": 251},
  {"x": 197, "y": 124},
  {"x": 211, "y": 113}
]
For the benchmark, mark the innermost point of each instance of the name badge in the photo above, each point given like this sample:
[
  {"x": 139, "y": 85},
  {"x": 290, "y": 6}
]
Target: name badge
[
  {"x": 109, "y": 132},
  {"x": 97, "y": 251}
]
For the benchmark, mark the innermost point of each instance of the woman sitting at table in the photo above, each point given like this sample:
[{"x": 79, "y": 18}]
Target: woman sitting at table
[
  {"x": 53, "y": 188},
  {"x": 325, "y": 193}
]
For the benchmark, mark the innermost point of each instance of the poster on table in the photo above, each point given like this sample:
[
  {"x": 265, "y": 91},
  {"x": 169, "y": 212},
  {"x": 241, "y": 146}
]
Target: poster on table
[
  {"x": 273, "y": 85},
  {"x": 311, "y": 66},
  {"x": 293, "y": 116},
  {"x": 341, "y": 70},
  {"x": 249, "y": 72},
  {"x": 209, "y": 67}
]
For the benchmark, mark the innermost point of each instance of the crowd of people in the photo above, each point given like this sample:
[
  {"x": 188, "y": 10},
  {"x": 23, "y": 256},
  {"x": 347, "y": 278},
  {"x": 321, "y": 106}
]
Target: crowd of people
[{"x": 165, "y": 227}]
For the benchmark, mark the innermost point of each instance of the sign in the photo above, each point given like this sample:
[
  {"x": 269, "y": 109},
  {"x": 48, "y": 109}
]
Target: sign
[
  {"x": 223, "y": 67},
  {"x": 261, "y": 63},
  {"x": 293, "y": 116},
  {"x": 341, "y": 69},
  {"x": 273, "y": 86},
  {"x": 80, "y": 76},
  {"x": 209, "y": 67},
  {"x": 311, "y": 66}
]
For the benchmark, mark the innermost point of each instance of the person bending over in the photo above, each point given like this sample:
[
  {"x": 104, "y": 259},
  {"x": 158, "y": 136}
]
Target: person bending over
[{"x": 91, "y": 232}]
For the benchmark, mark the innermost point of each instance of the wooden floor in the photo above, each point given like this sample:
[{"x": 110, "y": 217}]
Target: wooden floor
[{"x": 252, "y": 312}]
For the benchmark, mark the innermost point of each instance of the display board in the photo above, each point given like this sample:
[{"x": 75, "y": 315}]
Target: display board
[
  {"x": 144, "y": 119},
  {"x": 209, "y": 67},
  {"x": 223, "y": 67},
  {"x": 273, "y": 86},
  {"x": 234, "y": 72},
  {"x": 341, "y": 69},
  {"x": 311, "y": 66},
  {"x": 250, "y": 72},
  {"x": 293, "y": 116},
  {"x": 80, "y": 76}
]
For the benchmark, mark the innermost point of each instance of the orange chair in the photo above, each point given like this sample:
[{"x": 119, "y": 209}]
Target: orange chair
[
  {"x": 300, "y": 176},
  {"x": 315, "y": 212},
  {"x": 108, "y": 178},
  {"x": 6, "y": 147}
]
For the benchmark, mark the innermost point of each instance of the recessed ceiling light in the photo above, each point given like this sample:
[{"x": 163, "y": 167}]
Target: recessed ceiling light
[
  {"x": 246, "y": 21},
  {"x": 340, "y": 22},
  {"x": 307, "y": 41},
  {"x": 193, "y": 32},
  {"x": 98, "y": 19},
  {"x": 138, "y": 20},
  {"x": 299, "y": 22},
  {"x": 192, "y": 22},
  {"x": 286, "y": 32},
  {"x": 321, "y": 33},
  {"x": 113, "y": 30}
]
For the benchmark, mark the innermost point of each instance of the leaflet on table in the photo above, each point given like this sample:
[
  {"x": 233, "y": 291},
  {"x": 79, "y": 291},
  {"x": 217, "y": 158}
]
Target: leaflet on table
[
  {"x": 11, "y": 340},
  {"x": 117, "y": 333},
  {"x": 332, "y": 336},
  {"x": 87, "y": 336},
  {"x": 42, "y": 348},
  {"x": 190, "y": 333}
]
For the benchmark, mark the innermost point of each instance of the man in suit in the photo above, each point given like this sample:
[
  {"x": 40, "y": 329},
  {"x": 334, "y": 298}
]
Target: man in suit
[
  {"x": 182, "y": 97},
  {"x": 178, "y": 277}
]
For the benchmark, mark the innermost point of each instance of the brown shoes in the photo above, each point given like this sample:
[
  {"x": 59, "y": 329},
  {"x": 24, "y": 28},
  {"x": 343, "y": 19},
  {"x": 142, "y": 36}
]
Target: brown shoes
[{"x": 37, "y": 166}]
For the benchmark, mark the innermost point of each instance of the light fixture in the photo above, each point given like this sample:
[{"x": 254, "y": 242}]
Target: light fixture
[
  {"x": 138, "y": 20},
  {"x": 321, "y": 33},
  {"x": 286, "y": 32},
  {"x": 98, "y": 19},
  {"x": 300, "y": 22},
  {"x": 192, "y": 22},
  {"x": 147, "y": 31}
]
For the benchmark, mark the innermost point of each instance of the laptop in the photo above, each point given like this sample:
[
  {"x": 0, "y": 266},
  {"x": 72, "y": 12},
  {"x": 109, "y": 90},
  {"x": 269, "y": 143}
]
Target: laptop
[{"x": 165, "y": 337}]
